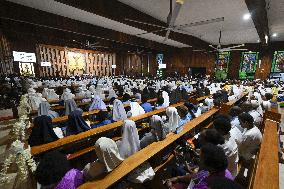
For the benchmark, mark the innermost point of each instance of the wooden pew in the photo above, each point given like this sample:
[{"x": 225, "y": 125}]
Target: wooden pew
[
  {"x": 265, "y": 173},
  {"x": 74, "y": 138},
  {"x": 225, "y": 108},
  {"x": 65, "y": 118},
  {"x": 145, "y": 154}
]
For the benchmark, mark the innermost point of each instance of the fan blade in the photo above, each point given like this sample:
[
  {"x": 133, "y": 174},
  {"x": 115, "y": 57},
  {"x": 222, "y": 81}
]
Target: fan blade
[
  {"x": 237, "y": 46},
  {"x": 213, "y": 47},
  {"x": 197, "y": 50},
  {"x": 149, "y": 24},
  {"x": 173, "y": 16},
  {"x": 199, "y": 23},
  {"x": 154, "y": 31},
  {"x": 175, "y": 12},
  {"x": 238, "y": 49},
  {"x": 167, "y": 35}
]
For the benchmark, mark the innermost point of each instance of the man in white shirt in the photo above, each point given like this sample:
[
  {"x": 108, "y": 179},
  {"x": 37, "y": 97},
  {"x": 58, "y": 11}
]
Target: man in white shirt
[
  {"x": 223, "y": 126},
  {"x": 251, "y": 138},
  {"x": 234, "y": 113}
]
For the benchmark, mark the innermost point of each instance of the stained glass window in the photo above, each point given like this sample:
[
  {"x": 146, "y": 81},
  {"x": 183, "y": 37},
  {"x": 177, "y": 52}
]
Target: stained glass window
[
  {"x": 222, "y": 64},
  {"x": 278, "y": 62},
  {"x": 248, "y": 65}
]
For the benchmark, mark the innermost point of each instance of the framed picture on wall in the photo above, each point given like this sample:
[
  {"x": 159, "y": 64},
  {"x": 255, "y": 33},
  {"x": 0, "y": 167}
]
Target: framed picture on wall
[
  {"x": 248, "y": 65},
  {"x": 221, "y": 65},
  {"x": 278, "y": 62}
]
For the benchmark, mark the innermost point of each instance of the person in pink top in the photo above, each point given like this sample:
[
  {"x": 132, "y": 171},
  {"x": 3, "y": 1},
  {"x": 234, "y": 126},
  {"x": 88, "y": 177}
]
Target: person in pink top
[{"x": 54, "y": 172}]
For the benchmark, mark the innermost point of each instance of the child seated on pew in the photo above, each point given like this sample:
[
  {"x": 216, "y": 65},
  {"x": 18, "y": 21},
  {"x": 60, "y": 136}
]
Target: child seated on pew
[
  {"x": 213, "y": 165},
  {"x": 160, "y": 103}
]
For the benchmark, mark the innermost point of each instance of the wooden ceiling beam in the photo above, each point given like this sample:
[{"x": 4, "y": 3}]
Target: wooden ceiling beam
[
  {"x": 117, "y": 11},
  {"x": 257, "y": 9}
]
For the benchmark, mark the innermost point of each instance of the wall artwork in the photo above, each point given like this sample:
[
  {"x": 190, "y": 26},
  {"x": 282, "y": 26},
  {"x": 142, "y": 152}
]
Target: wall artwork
[
  {"x": 248, "y": 65},
  {"x": 26, "y": 69},
  {"x": 222, "y": 64},
  {"x": 278, "y": 62},
  {"x": 70, "y": 61}
]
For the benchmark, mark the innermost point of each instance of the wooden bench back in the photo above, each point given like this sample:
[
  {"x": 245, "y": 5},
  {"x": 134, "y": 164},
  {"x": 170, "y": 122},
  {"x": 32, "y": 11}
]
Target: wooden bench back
[
  {"x": 145, "y": 154},
  {"x": 74, "y": 138},
  {"x": 266, "y": 170}
]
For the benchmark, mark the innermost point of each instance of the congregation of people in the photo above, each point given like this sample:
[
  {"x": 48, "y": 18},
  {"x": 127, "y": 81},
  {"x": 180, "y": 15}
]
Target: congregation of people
[{"x": 233, "y": 139}]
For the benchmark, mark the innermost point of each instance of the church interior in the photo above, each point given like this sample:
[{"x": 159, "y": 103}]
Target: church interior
[{"x": 141, "y": 94}]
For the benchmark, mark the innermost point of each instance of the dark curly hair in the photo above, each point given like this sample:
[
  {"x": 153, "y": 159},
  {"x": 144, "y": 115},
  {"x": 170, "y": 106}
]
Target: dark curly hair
[
  {"x": 222, "y": 125},
  {"x": 211, "y": 136},
  {"x": 213, "y": 158},
  {"x": 51, "y": 168}
]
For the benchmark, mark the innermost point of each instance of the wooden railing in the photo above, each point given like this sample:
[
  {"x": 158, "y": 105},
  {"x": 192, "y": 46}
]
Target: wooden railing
[{"x": 265, "y": 171}]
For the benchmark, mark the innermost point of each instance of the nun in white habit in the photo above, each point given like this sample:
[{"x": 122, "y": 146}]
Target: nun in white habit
[
  {"x": 111, "y": 94},
  {"x": 118, "y": 112},
  {"x": 174, "y": 119},
  {"x": 67, "y": 95},
  {"x": 129, "y": 143},
  {"x": 97, "y": 104},
  {"x": 157, "y": 132},
  {"x": 51, "y": 95},
  {"x": 108, "y": 158},
  {"x": 166, "y": 97},
  {"x": 136, "y": 109}
]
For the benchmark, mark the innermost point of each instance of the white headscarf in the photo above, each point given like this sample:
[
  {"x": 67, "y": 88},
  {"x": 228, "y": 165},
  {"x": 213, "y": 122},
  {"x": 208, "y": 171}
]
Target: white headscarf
[
  {"x": 97, "y": 104},
  {"x": 118, "y": 112},
  {"x": 51, "y": 95},
  {"x": 67, "y": 95},
  {"x": 165, "y": 95},
  {"x": 108, "y": 153},
  {"x": 130, "y": 139},
  {"x": 173, "y": 118},
  {"x": 157, "y": 126},
  {"x": 111, "y": 94},
  {"x": 136, "y": 109}
]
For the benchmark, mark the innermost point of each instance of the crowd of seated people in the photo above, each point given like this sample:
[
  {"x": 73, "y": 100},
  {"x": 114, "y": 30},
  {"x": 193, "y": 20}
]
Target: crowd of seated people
[{"x": 234, "y": 138}]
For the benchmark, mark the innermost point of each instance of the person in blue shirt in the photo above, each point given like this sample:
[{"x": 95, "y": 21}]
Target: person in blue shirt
[
  {"x": 145, "y": 104},
  {"x": 102, "y": 118},
  {"x": 192, "y": 109},
  {"x": 184, "y": 117}
]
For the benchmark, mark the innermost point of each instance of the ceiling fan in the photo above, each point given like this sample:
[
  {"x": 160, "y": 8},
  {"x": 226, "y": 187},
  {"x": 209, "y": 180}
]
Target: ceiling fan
[
  {"x": 90, "y": 45},
  {"x": 232, "y": 48},
  {"x": 172, "y": 16}
]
